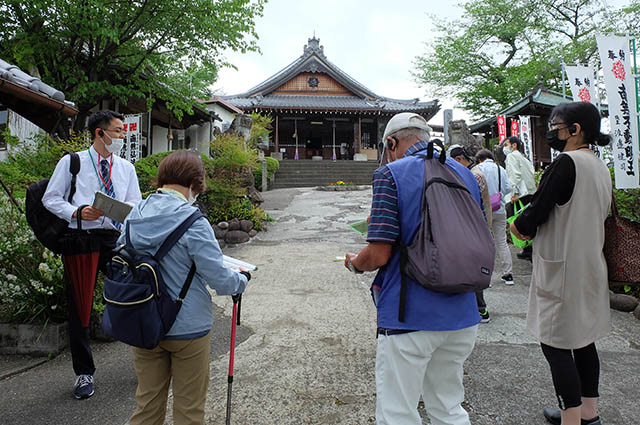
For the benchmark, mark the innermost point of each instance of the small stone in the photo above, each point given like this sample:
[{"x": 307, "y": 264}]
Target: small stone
[
  {"x": 622, "y": 302},
  {"x": 246, "y": 225},
  {"x": 223, "y": 225},
  {"x": 219, "y": 232},
  {"x": 253, "y": 232},
  {"x": 636, "y": 312},
  {"x": 234, "y": 224},
  {"x": 236, "y": 237},
  {"x": 222, "y": 243}
]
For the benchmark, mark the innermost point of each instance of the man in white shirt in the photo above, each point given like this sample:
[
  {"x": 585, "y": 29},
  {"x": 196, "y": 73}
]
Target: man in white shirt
[
  {"x": 522, "y": 177},
  {"x": 100, "y": 171}
]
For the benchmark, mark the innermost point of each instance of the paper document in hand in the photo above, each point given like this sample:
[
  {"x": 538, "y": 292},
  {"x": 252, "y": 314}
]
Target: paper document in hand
[
  {"x": 361, "y": 227},
  {"x": 234, "y": 264},
  {"x": 112, "y": 208}
]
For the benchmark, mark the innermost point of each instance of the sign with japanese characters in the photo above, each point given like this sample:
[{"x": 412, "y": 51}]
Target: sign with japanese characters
[
  {"x": 620, "y": 86},
  {"x": 502, "y": 128},
  {"x": 525, "y": 136},
  {"x": 132, "y": 148},
  {"x": 582, "y": 83},
  {"x": 514, "y": 127}
]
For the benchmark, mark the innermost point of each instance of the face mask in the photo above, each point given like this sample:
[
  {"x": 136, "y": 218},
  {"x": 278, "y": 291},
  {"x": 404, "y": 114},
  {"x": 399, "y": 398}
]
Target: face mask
[
  {"x": 115, "y": 146},
  {"x": 506, "y": 150},
  {"x": 554, "y": 142},
  {"x": 192, "y": 199}
]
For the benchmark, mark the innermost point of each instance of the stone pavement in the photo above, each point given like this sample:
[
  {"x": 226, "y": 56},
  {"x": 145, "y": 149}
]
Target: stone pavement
[{"x": 309, "y": 341}]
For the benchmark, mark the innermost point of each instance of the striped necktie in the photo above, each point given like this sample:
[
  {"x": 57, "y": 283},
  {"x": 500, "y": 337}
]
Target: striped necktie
[{"x": 104, "y": 170}]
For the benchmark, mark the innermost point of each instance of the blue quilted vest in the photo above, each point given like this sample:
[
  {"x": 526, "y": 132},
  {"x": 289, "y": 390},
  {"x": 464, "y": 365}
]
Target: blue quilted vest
[{"x": 424, "y": 309}]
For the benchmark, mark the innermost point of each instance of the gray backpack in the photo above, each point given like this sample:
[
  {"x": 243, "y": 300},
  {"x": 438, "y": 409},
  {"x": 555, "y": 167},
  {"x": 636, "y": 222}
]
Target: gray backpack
[{"x": 452, "y": 251}]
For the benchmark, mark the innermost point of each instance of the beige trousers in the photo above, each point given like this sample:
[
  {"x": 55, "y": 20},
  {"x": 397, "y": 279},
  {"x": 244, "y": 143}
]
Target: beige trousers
[{"x": 187, "y": 362}]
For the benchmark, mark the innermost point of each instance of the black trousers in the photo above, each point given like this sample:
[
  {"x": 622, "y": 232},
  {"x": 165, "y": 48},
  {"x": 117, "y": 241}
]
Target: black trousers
[
  {"x": 81, "y": 355},
  {"x": 575, "y": 373}
]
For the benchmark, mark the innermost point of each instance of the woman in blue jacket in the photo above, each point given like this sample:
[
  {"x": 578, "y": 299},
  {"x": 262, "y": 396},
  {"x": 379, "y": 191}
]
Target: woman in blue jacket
[{"x": 184, "y": 354}]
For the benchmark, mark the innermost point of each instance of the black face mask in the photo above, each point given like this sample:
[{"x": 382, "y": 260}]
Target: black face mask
[{"x": 554, "y": 142}]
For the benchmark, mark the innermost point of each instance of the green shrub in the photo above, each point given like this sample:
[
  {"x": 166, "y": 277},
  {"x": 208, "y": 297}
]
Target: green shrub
[
  {"x": 627, "y": 200},
  {"x": 242, "y": 209},
  {"x": 34, "y": 161},
  {"x": 272, "y": 166},
  {"x": 147, "y": 171}
]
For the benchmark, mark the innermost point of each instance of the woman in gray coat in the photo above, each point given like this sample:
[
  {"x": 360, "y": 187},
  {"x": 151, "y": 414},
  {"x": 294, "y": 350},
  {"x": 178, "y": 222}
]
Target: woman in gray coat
[{"x": 569, "y": 297}]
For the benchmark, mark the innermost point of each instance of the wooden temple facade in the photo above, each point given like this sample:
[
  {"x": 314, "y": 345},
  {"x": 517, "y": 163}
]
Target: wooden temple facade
[{"x": 320, "y": 111}]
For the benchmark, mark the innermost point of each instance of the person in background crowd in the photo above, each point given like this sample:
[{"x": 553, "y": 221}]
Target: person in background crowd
[
  {"x": 460, "y": 154},
  {"x": 101, "y": 169},
  {"x": 490, "y": 169},
  {"x": 425, "y": 353},
  {"x": 183, "y": 357},
  {"x": 522, "y": 178},
  {"x": 569, "y": 294}
]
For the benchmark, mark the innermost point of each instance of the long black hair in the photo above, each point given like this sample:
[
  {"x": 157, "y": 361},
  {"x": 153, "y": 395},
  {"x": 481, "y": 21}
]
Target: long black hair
[{"x": 585, "y": 114}]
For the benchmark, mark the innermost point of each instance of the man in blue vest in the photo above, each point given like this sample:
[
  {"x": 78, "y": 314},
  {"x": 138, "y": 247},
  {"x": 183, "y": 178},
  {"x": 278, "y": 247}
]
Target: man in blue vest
[{"x": 423, "y": 355}]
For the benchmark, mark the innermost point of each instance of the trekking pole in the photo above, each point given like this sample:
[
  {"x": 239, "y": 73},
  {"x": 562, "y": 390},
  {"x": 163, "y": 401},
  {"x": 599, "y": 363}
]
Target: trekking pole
[{"x": 235, "y": 320}]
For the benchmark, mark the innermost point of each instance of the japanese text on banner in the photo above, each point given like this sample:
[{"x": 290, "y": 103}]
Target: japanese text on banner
[
  {"x": 525, "y": 136},
  {"x": 502, "y": 128},
  {"x": 619, "y": 83}
]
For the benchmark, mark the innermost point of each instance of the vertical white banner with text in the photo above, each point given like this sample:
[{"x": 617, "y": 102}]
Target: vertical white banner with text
[
  {"x": 131, "y": 151},
  {"x": 582, "y": 83},
  {"x": 525, "y": 136},
  {"x": 620, "y": 86}
]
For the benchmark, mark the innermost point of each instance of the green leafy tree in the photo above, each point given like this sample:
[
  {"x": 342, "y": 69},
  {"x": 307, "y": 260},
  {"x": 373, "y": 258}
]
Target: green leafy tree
[
  {"x": 115, "y": 49},
  {"x": 501, "y": 49}
]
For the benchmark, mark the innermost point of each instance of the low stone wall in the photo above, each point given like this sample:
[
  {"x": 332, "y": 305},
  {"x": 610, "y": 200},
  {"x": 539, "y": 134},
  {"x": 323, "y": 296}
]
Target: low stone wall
[{"x": 39, "y": 339}]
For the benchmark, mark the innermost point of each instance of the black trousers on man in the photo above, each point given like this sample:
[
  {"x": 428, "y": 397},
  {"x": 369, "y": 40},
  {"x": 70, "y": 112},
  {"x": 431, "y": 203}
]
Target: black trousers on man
[{"x": 81, "y": 355}]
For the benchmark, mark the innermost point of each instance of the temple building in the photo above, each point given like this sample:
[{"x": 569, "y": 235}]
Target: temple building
[{"x": 320, "y": 112}]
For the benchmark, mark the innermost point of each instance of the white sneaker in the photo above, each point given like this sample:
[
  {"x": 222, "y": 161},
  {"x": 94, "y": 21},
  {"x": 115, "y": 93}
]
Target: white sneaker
[{"x": 507, "y": 279}]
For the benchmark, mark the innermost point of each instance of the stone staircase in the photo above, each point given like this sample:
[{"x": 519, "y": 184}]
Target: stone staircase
[{"x": 309, "y": 173}]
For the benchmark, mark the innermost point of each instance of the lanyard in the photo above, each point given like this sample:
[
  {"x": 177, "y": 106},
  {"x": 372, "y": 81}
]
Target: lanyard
[{"x": 100, "y": 178}]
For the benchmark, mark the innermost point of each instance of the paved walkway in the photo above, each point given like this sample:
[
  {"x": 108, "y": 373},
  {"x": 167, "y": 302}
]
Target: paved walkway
[{"x": 309, "y": 342}]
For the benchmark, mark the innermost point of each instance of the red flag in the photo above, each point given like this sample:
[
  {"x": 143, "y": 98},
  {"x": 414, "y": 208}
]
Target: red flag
[
  {"x": 502, "y": 128},
  {"x": 514, "y": 128}
]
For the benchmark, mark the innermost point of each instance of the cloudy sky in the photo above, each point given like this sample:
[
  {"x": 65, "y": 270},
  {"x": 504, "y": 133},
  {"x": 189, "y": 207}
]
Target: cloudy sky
[{"x": 374, "y": 41}]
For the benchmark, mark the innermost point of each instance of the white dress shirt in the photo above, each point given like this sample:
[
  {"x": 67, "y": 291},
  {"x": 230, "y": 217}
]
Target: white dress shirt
[
  {"x": 88, "y": 182},
  {"x": 490, "y": 170},
  {"x": 521, "y": 174}
]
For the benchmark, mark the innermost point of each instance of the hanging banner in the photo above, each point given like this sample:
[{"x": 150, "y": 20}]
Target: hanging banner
[
  {"x": 131, "y": 150},
  {"x": 582, "y": 83},
  {"x": 525, "y": 136},
  {"x": 502, "y": 128},
  {"x": 514, "y": 127},
  {"x": 620, "y": 86}
]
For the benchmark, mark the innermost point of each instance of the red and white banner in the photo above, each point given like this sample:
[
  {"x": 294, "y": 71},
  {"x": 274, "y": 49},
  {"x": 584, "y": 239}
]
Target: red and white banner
[
  {"x": 132, "y": 148},
  {"x": 620, "y": 86},
  {"x": 525, "y": 136},
  {"x": 514, "y": 127},
  {"x": 502, "y": 128},
  {"x": 582, "y": 83}
]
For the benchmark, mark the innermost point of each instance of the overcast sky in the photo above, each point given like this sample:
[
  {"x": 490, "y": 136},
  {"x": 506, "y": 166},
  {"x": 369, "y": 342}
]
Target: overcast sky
[{"x": 374, "y": 41}]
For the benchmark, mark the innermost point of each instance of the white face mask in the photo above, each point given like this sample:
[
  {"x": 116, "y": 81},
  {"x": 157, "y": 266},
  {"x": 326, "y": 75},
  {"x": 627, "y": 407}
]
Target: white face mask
[
  {"x": 115, "y": 146},
  {"x": 506, "y": 150},
  {"x": 192, "y": 199}
]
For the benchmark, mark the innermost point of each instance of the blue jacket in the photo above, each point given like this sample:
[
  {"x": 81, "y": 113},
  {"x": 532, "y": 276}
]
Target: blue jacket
[
  {"x": 151, "y": 221},
  {"x": 424, "y": 309}
]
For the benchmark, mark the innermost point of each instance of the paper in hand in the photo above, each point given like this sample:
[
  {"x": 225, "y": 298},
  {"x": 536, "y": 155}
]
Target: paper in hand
[
  {"x": 361, "y": 227},
  {"x": 112, "y": 208},
  {"x": 235, "y": 264}
]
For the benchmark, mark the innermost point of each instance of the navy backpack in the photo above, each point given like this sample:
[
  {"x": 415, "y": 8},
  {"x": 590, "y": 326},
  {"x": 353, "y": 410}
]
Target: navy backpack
[{"x": 139, "y": 310}]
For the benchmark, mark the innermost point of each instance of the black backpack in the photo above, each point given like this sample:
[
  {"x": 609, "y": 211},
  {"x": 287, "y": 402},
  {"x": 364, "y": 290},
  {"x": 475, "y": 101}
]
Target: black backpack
[
  {"x": 138, "y": 308},
  {"x": 452, "y": 250},
  {"x": 48, "y": 227}
]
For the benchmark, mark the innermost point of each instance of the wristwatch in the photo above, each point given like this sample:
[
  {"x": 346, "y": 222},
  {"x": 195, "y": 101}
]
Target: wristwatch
[{"x": 352, "y": 267}]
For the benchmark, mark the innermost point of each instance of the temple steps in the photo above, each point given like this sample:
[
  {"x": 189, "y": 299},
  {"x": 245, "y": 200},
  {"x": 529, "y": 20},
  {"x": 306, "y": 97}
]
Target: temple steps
[{"x": 308, "y": 173}]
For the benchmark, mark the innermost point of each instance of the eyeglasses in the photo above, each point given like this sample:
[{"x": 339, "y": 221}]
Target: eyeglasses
[
  {"x": 118, "y": 130},
  {"x": 555, "y": 124}
]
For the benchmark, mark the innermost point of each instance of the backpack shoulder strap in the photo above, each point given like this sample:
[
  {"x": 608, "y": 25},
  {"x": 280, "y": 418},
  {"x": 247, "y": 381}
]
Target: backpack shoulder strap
[
  {"x": 74, "y": 169},
  {"x": 173, "y": 238}
]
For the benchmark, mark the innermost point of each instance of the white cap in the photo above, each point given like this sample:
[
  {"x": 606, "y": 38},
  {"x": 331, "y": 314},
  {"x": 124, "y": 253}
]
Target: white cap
[{"x": 405, "y": 120}]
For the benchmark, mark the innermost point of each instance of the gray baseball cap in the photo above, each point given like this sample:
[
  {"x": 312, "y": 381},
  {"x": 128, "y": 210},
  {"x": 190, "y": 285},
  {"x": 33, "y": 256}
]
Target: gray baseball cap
[{"x": 405, "y": 120}]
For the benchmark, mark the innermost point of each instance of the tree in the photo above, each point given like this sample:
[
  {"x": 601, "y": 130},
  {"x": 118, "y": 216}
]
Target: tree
[
  {"x": 504, "y": 48},
  {"x": 114, "y": 49}
]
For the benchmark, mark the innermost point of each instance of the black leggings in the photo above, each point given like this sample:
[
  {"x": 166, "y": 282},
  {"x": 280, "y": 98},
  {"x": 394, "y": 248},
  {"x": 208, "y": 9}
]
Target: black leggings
[{"x": 575, "y": 373}]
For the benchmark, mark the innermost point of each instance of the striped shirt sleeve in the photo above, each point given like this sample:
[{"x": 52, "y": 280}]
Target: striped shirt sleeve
[{"x": 383, "y": 222}]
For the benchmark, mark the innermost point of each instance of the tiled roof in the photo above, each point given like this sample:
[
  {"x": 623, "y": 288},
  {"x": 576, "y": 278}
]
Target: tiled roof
[
  {"x": 15, "y": 75},
  {"x": 281, "y": 101}
]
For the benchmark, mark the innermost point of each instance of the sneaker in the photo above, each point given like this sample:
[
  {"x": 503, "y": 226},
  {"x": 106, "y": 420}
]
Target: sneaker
[
  {"x": 84, "y": 387},
  {"x": 484, "y": 316},
  {"x": 553, "y": 416},
  {"x": 524, "y": 255},
  {"x": 507, "y": 279}
]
